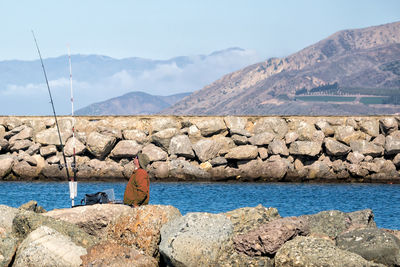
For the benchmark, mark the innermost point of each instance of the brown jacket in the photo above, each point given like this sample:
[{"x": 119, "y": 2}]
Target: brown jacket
[{"x": 137, "y": 191}]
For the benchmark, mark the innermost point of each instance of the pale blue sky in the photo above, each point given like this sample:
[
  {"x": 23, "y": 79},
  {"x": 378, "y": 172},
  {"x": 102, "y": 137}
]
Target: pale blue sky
[{"x": 164, "y": 29}]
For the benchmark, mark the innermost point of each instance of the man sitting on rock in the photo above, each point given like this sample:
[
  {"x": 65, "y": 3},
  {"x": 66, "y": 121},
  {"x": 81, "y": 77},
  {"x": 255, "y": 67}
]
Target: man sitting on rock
[{"x": 138, "y": 188}]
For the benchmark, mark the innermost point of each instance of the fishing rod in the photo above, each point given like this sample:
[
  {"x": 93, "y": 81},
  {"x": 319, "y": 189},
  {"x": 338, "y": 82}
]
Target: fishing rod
[{"x": 54, "y": 110}]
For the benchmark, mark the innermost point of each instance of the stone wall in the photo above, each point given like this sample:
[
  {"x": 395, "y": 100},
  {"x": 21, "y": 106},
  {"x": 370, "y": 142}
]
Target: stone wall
[{"x": 231, "y": 148}]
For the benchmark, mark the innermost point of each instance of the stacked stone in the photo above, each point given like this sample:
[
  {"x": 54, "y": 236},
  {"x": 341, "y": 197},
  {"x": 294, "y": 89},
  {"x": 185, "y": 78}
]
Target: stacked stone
[{"x": 205, "y": 148}]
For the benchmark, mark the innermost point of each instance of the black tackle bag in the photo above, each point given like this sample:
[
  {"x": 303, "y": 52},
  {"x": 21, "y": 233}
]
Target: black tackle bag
[{"x": 96, "y": 198}]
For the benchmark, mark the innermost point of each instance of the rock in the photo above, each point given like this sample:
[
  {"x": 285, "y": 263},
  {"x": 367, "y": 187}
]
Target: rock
[
  {"x": 366, "y": 148},
  {"x": 325, "y": 127},
  {"x": 49, "y": 150},
  {"x": 262, "y": 153},
  {"x": 319, "y": 169},
  {"x": 2, "y": 131},
  {"x": 388, "y": 125},
  {"x": 311, "y": 251},
  {"x": 290, "y": 137},
  {"x": 141, "y": 226},
  {"x": 276, "y": 126},
  {"x": 33, "y": 149},
  {"x": 250, "y": 169},
  {"x": 113, "y": 255},
  {"x": 268, "y": 238},
  {"x": 159, "y": 124},
  {"x": 235, "y": 124},
  {"x": 332, "y": 223},
  {"x": 372, "y": 244},
  {"x": 32, "y": 205},
  {"x": 196, "y": 239},
  {"x": 232, "y": 258},
  {"x": 24, "y": 169},
  {"x": 180, "y": 145},
  {"x": 206, "y": 149},
  {"x": 392, "y": 145},
  {"x": 307, "y": 148},
  {"x": 261, "y": 139},
  {"x": 107, "y": 130},
  {"x": 26, "y": 222},
  {"x": 20, "y": 145},
  {"x": 305, "y": 131},
  {"x": 163, "y": 138},
  {"x": 52, "y": 171},
  {"x": 379, "y": 140},
  {"x": 159, "y": 170},
  {"x": 224, "y": 143},
  {"x": 396, "y": 160},
  {"x": 3, "y": 144},
  {"x": 95, "y": 168},
  {"x": 100, "y": 145},
  {"x": 278, "y": 147},
  {"x": 274, "y": 168},
  {"x": 7, "y": 217},
  {"x": 181, "y": 169},
  {"x": 248, "y": 218},
  {"x": 136, "y": 135},
  {"x": 69, "y": 147},
  {"x": 154, "y": 153},
  {"x": 56, "y": 159},
  {"x": 26, "y": 133},
  {"x": 8, "y": 248},
  {"x": 126, "y": 149},
  {"x": 346, "y": 134},
  {"x": 6, "y": 164},
  {"x": 12, "y": 123},
  {"x": 335, "y": 148},
  {"x": 239, "y": 139},
  {"x": 370, "y": 127},
  {"x": 357, "y": 170},
  {"x": 246, "y": 152},
  {"x": 51, "y": 137},
  {"x": 194, "y": 134},
  {"x": 93, "y": 219},
  {"x": 210, "y": 126},
  {"x": 218, "y": 161},
  {"x": 47, "y": 247},
  {"x": 355, "y": 157}
]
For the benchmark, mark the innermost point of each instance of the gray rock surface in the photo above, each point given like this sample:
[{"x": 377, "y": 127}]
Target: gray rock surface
[
  {"x": 335, "y": 148},
  {"x": 372, "y": 244},
  {"x": 307, "y": 148},
  {"x": 100, "y": 145},
  {"x": 245, "y": 152},
  {"x": 180, "y": 145},
  {"x": 183, "y": 170},
  {"x": 126, "y": 149},
  {"x": 206, "y": 149},
  {"x": 210, "y": 126},
  {"x": 366, "y": 148},
  {"x": 311, "y": 251},
  {"x": 196, "y": 239},
  {"x": 154, "y": 153},
  {"x": 278, "y": 147},
  {"x": 163, "y": 137},
  {"x": 69, "y": 147},
  {"x": 392, "y": 145},
  {"x": 276, "y": 126},
  {"x": 137, "y": 135},
  {"x": 6, "y": 164},
  {"x": 261, "y": 139}
]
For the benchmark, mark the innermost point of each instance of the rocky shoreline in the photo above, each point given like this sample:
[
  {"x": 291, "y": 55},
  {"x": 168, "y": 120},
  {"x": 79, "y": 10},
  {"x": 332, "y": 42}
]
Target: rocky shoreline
[
  {"x": 218, "y": 148},
  {"x": 158, "y": 235}
]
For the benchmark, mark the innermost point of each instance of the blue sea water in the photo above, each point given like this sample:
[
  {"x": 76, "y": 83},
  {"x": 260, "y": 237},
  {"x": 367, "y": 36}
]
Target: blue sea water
[{"x": 290, "y": 199}]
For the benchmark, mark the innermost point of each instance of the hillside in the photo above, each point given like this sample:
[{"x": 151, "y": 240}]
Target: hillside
[
  {"x": 366, "y": 58},
  {"x": 133, "y": 103}
]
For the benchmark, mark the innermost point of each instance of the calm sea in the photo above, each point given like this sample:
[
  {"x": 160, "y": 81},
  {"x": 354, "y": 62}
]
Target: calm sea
[{"x": 289, "y": 199}]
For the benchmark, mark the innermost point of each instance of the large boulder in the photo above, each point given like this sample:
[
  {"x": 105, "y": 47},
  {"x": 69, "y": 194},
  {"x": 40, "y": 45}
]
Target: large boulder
[
  {"x": 311, "y": 251},
  {"x": 6, "y": 164},
  {"x": 93, "y": 219},
  {"x": 26, "y": 133},
  {"x": 137, "y": 135},
  {"x": 366, "y": 148},
  {"x": 154, "y": 153},
  {"x": 6, "y": 218},
  {"x": 210, "y": 126},
  {"x": 305, "y": 131},
  {"x": 225, "y": 143},
  {"x": 26, "y": 222},
  {"x": 104, "y": 169},
  {"x": 126, "y": 149},
  {"x": 307, "y": 148},
  {"x": 250, "y": 169},
  {"x": 276, "y": 126},
  {"x": 249, "y": 218},
  {"x": 20, "y": 145},
  {"x": 159, "y": 169},
  {"x": 71, "y": 144},
  {"x": 196, "y": 239},
  {"x": 111, "y": 254},
  {"x": 370, "y": 127},
  {"x": 236, "y": 125},
  {"x": 8, "y": 248},
  {"x": 346, "y": 134},
  {"x": 159, "y": 124},
  {"x": 2, "y": 131},
  {"x": 335, "y": 148},
  {"x": 325, "y": 127},
  {"x": 163, "y": 137},
  {"x": 262, "y": 139},
  {"x": 372, "y": 244},
  {"x": 268, "y": 238},
  {"x": 181, "y": 146},
  {"x": 245, "y": 152},
  {"x": 47, "y": 151},
  {"x": 274, "y": 168},
  {"x": 183, "y": 170},
  {"x": 319, "y": 169},
  {"x": 278, "y": 147},
  {"x": 392, "y": 145},
  {"x": 333, "y": 222},
  {"x": 24, "y": 169},
  {"x": 100, "y": 145},
  {"x": 47, "y": 247},
  {"x": 51, "y": 137},
  {"x": 388, "y": 125},
  {"x": 140, "y": 227},
  {"x": 206, "y": 149}
]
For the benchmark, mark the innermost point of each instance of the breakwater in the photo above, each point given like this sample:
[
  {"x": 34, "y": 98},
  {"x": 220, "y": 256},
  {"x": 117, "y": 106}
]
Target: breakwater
[{"x": 218, "y": 148}]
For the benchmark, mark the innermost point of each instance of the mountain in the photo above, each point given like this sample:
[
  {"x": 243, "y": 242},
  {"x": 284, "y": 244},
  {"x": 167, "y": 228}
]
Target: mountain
[
  {"x": 133, "y": 103},
  {"x": 97, "y": 78},
  {"x": 350, "y": 72}
]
